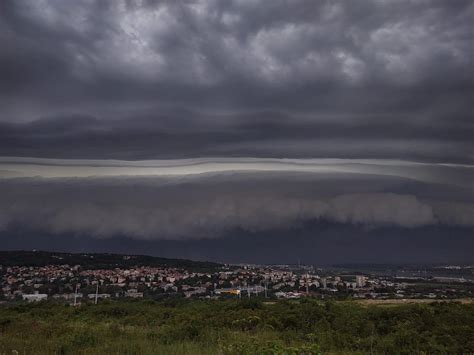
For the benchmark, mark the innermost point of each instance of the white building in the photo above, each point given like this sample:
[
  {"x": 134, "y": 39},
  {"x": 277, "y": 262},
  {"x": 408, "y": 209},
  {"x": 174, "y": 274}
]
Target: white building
[
  {"x": 360, "y": 281},
  {"x": 35, "y": 297},
  {"x": 68, "y": 296},
  {"x": 91, "y": 296}
]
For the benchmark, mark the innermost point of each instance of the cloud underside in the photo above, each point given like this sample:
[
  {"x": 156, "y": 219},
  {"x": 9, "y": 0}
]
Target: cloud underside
[
  {"x": 167, "y": 79},
  {"x": 208, "y": 206}
]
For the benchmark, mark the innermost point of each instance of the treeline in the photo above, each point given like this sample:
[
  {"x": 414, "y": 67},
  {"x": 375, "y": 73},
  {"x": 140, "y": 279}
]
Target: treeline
[
  {"x": 237, "y": 327},
  {"x": 98, "y": 260}
]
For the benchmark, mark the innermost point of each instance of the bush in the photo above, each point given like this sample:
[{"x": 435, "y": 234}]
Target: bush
[{"x": 237, "y": 327}]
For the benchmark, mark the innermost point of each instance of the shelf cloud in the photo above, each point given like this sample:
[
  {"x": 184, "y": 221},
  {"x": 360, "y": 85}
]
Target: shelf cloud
[{"x": 205, "y": 199}]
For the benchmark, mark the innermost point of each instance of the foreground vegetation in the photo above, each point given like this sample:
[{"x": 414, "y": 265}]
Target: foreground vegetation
[{"x": 236, "y": 327}]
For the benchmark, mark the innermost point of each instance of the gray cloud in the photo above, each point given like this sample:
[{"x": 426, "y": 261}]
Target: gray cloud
[
  {"x": 113, "y": 86},
  {"x": 161, "y": 79},
  {"x": 461, "y": 175},
  {"x": 207, "y": 206}
]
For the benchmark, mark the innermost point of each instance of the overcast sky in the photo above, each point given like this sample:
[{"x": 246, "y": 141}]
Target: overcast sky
[
  {"x": 105, "y": 98},
  {"x": 164, "y": 79}
]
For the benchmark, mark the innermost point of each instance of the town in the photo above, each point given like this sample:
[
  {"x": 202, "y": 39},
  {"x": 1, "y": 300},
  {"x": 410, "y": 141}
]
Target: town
[{"x": 76, "y": 284}]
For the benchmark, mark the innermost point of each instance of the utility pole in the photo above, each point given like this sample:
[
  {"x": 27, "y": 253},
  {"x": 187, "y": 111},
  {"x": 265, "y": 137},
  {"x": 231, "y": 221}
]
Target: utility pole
[
  {"x": 96, "y": 292},
  {"x": 75, "y": 295}
]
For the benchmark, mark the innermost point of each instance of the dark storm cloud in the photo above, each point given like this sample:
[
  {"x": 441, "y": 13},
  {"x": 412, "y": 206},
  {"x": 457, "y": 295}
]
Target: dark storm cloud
[
  {"x": 147, "y": 79},
  {"x": 265, "y": 134},
  {"x": 208, "y": 206}
]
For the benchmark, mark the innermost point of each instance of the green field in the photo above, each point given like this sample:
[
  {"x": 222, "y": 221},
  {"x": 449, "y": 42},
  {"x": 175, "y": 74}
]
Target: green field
[{"x": 236, "y": 327}]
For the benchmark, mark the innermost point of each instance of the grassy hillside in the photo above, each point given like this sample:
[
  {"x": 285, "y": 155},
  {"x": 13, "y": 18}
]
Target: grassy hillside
[{"x": 236, "y": 327}]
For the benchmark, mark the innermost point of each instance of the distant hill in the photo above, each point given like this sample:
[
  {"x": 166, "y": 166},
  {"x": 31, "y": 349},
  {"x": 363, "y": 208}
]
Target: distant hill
[{"x": 98, "y": 260}]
